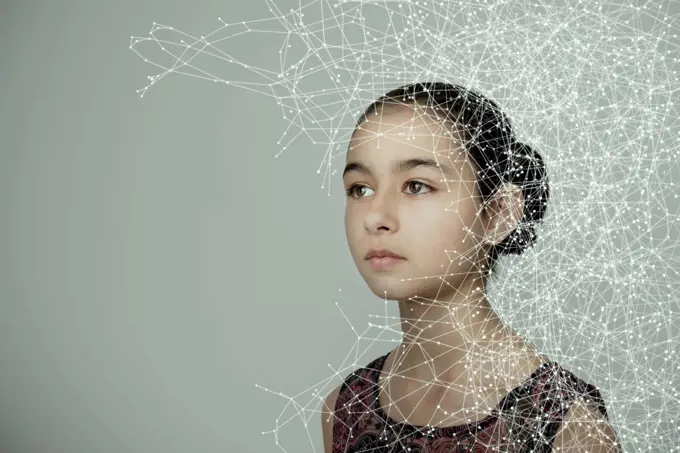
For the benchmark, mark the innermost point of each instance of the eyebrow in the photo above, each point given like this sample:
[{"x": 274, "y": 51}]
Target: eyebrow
[{"x": 401, "y": 166}]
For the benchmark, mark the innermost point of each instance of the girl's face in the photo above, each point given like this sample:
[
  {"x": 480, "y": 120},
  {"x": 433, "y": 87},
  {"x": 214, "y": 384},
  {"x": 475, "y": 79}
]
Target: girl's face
[{"x": 426, "y": 214}]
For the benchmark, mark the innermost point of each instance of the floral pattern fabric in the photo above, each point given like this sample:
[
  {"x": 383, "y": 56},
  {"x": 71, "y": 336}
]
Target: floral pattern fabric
[{"x": 525, "y": 420}]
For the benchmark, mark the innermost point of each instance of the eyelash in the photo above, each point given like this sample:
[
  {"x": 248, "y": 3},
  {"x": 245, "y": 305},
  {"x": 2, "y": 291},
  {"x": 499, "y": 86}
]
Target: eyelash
[{"x": 351, "y": 188}]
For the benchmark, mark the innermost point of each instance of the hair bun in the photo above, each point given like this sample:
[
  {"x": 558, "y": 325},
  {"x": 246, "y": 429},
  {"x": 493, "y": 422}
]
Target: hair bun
[{"x": 527, "y": 170}]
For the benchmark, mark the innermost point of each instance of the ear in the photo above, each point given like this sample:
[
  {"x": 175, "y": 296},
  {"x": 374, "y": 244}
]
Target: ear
[{"x": 504, "y": 212}]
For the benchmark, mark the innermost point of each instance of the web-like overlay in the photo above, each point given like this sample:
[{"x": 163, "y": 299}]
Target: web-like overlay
[{"x": 592, "y": 85}]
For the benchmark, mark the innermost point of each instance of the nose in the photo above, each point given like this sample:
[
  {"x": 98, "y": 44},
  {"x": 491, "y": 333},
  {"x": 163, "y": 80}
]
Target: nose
[{"x": 381, "y": 215}]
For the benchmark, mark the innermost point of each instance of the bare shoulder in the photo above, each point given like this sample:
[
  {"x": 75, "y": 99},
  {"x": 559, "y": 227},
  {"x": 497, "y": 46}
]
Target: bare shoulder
[
  {"x": 327, "y": 419},
  {"x": 585, "y": 429}
]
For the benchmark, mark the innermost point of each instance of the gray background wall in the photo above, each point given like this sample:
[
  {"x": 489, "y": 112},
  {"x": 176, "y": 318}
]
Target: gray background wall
[
  {"x": 157, "y": 262},
  {"x": 153, "y": 251}
]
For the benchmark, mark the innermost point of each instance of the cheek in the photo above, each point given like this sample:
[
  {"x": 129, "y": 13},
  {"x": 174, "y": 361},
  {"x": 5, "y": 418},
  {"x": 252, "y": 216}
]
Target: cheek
[
  {"x": 350, "y": 221},
  {"x": 429, "y": 232},
  {"x": 443, "y": 228},
  {"x": 352, "y": 229}
]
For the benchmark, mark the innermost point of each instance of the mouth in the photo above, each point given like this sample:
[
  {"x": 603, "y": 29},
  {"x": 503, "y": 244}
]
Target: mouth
[
  {"x": 382, "y": 259},
  {"x": 379, "y": 263},
  {"x": 382, "y": 253}
]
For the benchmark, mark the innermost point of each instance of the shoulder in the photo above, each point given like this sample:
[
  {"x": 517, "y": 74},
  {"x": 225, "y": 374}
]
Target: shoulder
[
  {"x": 330, "y": 400},
  {"x": 356, "y": 383},
  {"x": 585, "y": 428},
  {"x": 577, "y": 407},
  {"x": 328, "y": 417}
]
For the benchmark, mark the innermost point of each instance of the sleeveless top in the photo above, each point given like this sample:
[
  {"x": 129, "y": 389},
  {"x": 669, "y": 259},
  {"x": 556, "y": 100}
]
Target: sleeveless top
[{"x": 525, "y": 420}]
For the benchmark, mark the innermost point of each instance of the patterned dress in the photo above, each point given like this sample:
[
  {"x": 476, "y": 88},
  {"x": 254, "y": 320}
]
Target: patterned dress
[{"x": 525, "y": 420}]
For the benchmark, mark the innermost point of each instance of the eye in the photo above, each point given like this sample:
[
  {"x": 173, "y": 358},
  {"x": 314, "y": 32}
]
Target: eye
[
  {"x": 421, "y": 184},
  {"x": 351, "y": 189}
]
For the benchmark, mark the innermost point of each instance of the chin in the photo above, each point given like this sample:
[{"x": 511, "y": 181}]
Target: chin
[{"x": 391, "y": 287}]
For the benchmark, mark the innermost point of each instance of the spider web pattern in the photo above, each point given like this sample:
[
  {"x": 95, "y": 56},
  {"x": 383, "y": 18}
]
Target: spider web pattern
[{"x": 592, "y": 85}]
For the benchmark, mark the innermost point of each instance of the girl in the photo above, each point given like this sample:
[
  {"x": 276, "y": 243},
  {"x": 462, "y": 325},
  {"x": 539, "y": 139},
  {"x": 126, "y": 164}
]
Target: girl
[{"x": 438, "y": 187}]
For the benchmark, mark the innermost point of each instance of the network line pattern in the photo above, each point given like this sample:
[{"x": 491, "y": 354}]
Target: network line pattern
[{"x": 593, "y": 85}]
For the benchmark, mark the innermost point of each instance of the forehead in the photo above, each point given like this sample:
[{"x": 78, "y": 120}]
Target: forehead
[{"x": 393, "y": 131}]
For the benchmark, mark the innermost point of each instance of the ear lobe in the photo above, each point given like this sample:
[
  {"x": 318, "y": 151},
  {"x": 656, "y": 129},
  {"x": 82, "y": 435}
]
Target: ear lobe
[{"x": 505, "y": 211}]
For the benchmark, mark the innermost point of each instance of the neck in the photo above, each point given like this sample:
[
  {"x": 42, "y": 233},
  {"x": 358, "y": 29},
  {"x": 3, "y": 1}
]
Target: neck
[{"x": 456, "y": 334}]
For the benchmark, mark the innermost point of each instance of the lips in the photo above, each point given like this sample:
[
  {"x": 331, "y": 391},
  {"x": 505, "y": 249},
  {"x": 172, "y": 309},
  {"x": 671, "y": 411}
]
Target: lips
[{"x": 382, "y": 253}]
